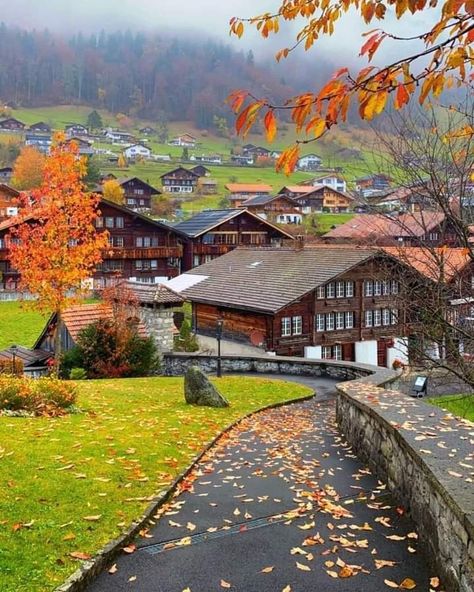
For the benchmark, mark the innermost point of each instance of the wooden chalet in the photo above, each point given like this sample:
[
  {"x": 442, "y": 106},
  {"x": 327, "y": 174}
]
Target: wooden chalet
[
  {"x": 319, "y": 198},
  {"x": 179, "y": 180},
  {"x": 333, "y": 180},
  {"x": 6, "y": 173},
  {"x": 201, "y": 170},
  {"x": 309, "y": 162},
  {"x": 76, "y": 129},
  {"x": 408, "y": 229},
  {"x": 256, "y": 151},
  {"x": 207, "y": 186},
  {"x": 372, "y": 184},
  {"x": 321, "y": 302},
  {"x": 140, "y": 249},
  {"x": 12, "y": 125},
  {"x": 279, "y": 209},
  {"x": 137, "y": 193},
  {"x": 147, "y": 131},
  {"x": 84, "y": 146},
  {"x": 213, "y": 233},
  {"x": 185, "y": 140},
  {"x": 9, "y": 201},
  {"x": 41, "y": 127},
  {"x": 238, "y": 193}
]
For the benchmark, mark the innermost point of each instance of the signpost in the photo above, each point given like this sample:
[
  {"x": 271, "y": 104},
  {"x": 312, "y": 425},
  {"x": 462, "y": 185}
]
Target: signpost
[{"x": 420, "y": 386}]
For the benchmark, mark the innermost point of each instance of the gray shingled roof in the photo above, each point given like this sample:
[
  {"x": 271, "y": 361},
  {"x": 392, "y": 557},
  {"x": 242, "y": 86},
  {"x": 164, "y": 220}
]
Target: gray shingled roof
[
  {"x": 205, "y": 221},
  {"x": 154, "y": 293},
  {"x": 29, "y": 357},
  {"x": 267, "y": 280}
]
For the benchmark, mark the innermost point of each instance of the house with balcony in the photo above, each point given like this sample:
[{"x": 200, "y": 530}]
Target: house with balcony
[
  {"x": 212, "y": 233},
  {"x": 10, "y": 124},
  {"x": 137, "y": 194},
  {"x": 137, "y": 151},
  {"x": 279, "y": 209},
  {"x": 179, "y": 180},
  {"x": 42, "y": 142},
  {"x": 309, "y": 162},
  {"x": 333, "y": 180}
]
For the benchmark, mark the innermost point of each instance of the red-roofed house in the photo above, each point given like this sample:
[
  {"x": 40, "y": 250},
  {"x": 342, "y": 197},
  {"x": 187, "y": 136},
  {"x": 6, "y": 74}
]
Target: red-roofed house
[{"x": 241, "y": 192}]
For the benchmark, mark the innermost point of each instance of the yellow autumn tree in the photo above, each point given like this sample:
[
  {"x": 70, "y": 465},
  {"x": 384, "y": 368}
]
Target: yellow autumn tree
[
  {"x": 112, "y": 191},
  {"x": 28, "y": 170},
  {"x": 444, "y": 61}
]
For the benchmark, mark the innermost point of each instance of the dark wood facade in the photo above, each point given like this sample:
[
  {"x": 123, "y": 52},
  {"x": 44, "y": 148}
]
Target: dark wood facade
[
  {"x": 243, "y": 229},
  {"x": 179, "y": 180},
  {"x": 280, "y": 209},
  {"x": 334, "y": 317},
  {"x": 138, "y": 194},
  {"x": 138, "y": 248},
  {"x": 12, "y": 124}
]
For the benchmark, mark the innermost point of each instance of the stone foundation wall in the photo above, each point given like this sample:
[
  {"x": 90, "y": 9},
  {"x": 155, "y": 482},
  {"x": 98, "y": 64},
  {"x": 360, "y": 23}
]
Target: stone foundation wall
[
  {"x": 160, "y": 325},
  {"x": 398, "y": 437},
  {"x": 177, "y": 363}
]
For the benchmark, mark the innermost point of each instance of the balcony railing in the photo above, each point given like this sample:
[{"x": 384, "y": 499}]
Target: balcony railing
[{"x": 142, "y": 253}]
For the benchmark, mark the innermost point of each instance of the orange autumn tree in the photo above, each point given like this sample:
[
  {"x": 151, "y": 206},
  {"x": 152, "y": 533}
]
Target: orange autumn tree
[
  {"x": 28, "y": 169},
  {"x": 445, "y": 61},
  {"x": 55, "y": 246}
]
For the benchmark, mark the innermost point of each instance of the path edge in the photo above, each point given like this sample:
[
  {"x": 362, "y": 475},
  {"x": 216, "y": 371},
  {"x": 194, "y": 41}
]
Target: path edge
[{"x": 91, "y": 568}]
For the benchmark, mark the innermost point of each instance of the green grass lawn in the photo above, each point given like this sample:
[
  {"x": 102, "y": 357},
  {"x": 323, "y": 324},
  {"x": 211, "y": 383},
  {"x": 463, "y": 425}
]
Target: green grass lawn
[
  {"x": 19, "y": 324},
  {"x": 460, "y": 405},
  {"x": 132, "y": 438},
  {"x": 327, "y": 221}
]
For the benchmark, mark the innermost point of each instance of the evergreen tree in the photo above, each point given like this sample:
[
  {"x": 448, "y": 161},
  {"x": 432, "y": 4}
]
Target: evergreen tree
[{"x": 94, "y": 121}]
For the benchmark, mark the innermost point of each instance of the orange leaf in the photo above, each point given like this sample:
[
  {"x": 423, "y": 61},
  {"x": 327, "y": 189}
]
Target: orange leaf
[
  {"x": 130, "y": 549},
  {"x": 407, "y": 584},
  {"x": 402, "y": 97},
  {"x": 270, "y": 125},
  {"x": 80, "y": 555}
]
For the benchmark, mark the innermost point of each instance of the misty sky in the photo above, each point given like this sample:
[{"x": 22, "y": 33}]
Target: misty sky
[{"x": 209, "y": 17}]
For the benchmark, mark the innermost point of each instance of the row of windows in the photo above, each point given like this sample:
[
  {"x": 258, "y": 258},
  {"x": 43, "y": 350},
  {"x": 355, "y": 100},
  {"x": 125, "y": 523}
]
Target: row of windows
[
  {"x": 291, "y": 326},
  {"x": 381, "y": 317},
  {"x": 381, "y": 287},
  {"x": 336, "y": 290},
  {"x": 109, "y": 222},
  {"x": 131, "y": 201},
  {"x": 140, "y": 241},
  {"x": 333, "y": 352},
  {"x": 335, "y": 321}
]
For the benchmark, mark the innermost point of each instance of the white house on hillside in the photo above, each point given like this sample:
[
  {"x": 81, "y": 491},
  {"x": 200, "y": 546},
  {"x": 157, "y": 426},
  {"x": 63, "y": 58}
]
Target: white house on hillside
[
  {"x": 183, "y": 140},
  {"x": 137, "y": 151},
  {"x": 309, "y": 162},
  {"x": 332, "y": 180}
]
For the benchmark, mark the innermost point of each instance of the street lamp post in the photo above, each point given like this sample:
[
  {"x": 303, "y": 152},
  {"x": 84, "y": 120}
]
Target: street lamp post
[
  {"x": 13, "y": 349},
  {"x": 219, "y": 325}
]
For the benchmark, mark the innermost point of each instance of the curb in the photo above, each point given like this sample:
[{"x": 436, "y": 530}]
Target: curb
[{"x": 91, "y": 568}]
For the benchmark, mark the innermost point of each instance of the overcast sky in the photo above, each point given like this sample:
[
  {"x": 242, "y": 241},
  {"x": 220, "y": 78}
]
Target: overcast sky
[{"x": 209, "y": 17}]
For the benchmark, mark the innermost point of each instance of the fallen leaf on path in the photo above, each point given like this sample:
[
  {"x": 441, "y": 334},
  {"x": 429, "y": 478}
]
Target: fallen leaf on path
[
  {"x": 268, "y": 569},
  {"x": 113, "y": 569},
  {"x": 225, "y": 584},
  {"x": 302, "y": 566},
  {"x": 407, "y": 584},
  {"x": 130, "y": 549}
]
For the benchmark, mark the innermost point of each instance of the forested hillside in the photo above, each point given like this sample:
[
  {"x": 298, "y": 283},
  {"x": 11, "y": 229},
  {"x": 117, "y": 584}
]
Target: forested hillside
[{"x": 148, "y": 76}]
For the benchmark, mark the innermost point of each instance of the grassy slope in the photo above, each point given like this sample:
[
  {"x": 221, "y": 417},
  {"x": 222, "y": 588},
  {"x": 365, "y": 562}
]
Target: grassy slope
[
  {"x": 133, "y": 437},
  {"x": 19, "y": 324},
  {"x": 460, "y": 405}
]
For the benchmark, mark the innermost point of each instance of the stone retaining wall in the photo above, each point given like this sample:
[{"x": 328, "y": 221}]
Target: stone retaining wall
[
  {"x": 426, "y": 457},
  {"x": 177, "y": 363}
]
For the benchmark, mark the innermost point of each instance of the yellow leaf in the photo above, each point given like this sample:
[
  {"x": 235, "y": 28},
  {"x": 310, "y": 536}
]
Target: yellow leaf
[
  {"x": 287, "y": 588},
  {"x": 92, "y": 518},
  {"x": 390, "y": 584},
  {"x": 302, "y": 566},
  {"x": 268, "y": 569},
  {"x": 333, "y": 574},
  {"x": 407, "y": 584}
]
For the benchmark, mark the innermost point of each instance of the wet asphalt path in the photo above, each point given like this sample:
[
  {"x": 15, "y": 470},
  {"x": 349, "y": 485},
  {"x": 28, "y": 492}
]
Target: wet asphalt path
[{"x": 279, "y": 504}]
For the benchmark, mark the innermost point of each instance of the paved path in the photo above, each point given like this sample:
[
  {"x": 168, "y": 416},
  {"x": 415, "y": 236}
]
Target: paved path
[{"x": 280, "y": 504}]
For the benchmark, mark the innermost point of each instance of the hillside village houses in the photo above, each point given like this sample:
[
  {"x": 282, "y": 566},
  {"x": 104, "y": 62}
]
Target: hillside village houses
[
  {"x": 184, "y": 140},
  {"x": 333, "y": 180},
  {"x": 179, "y": 180},
  {"x": 137, "y": 193},
  {"x": 238, "y": 193},
  {"x": 10, "y": 124},
  {"x": 137, "y": 151},
  {"x": 309, "y": 162}
]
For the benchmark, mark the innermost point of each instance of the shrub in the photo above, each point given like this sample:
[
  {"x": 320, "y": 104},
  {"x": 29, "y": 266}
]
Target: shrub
[
  {"x": 186, "y": 341},
  {"x": 44, "y": 396},
  {"x": 69, "y": 360},
  {"x": 78, "y": 374},
  {"x": 110, "y": 350}
]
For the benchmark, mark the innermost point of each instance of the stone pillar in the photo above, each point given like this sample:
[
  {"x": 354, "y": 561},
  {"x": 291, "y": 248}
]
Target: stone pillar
[{"x": 160, "y": 325}]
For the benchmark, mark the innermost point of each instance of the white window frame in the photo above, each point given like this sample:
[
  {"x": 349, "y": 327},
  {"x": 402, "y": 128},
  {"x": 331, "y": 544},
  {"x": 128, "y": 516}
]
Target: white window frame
[
  {"x": 119, "y": 222},
  {"x": 321, "y": 292},
  {"x": 340, "y": 321},
  {"x": 340, "y": 290},
  {"x": 394, "y": 316},
  {"x": 385, "y": 317},
  {"x": 368, "y": 288},
  {"x": 330, "y": 321},
  {"x": 377, "y": 288},
  {"x": 349, "y": 320},
  {"x": 369, "y": 318},
  {"x": 386, "y": 287},
  {"x": 337, "y": 352},
  {"x": 325, "y": 350},
  {"x": 395, "y": 287},
  {"x": 349, "y": 289},
  {"x": 286, "y": 326},
  {"x": 377, "y": 317},
  {"x": 297, "y": 325},
  {"x": 331, "y": 290},
  {"x": 99, "y": 222},
  {"x": 320, "y": 323}
]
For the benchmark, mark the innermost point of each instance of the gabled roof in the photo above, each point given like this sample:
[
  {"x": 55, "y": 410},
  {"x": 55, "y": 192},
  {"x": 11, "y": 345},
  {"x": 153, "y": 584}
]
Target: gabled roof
[
  {"x": 299, "y": 189},
  {"x": 260, "y": 200},
  {"x": 153, "y": 293},
  {"x": 248, "y": 187},
  {"x": 414, "y": 224},
  {"x": 11, "y": 190},
  {"x": 180, "y": 168},
  {"x": 124, "y": 180},
  {"x": 77, "y": 318},
  {"x": 267, "y": 280},
  {"x": 29, "y": 357},
  {"x": 138, "y": 144},
  {"x": 438, "y": 264},
  {"x": 208, "y": 219}
]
